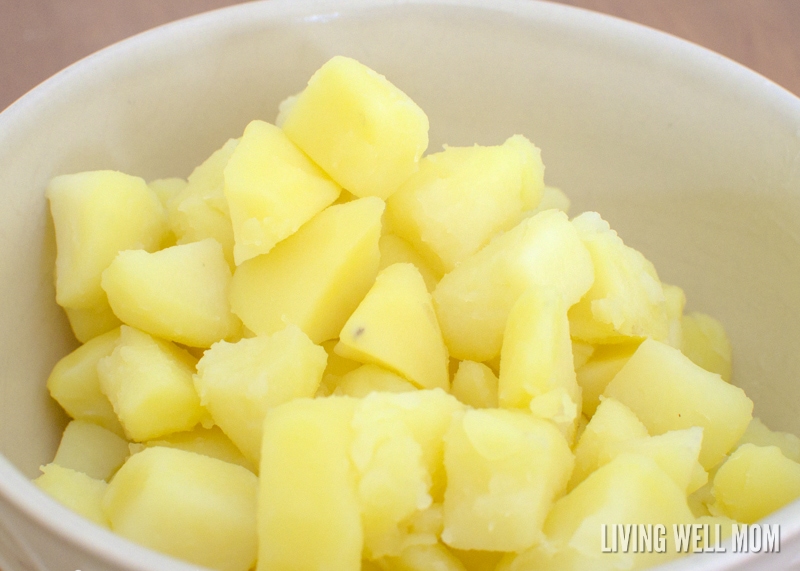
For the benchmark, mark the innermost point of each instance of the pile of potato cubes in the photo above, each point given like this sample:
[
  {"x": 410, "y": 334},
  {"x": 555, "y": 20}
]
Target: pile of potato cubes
[{"x": 326, "y": 351}]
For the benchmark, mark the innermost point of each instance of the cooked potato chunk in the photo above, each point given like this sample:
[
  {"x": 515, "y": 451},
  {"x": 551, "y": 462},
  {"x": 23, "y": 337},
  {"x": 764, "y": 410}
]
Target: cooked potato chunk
[
  {"x": 475, "y": 385},
  {"x": 626, "y": 299},
  {"x": 395, "y": 250},
  {"x": 706, "y": 344},
  {"x": 180, "y": 293},
  {"x": 87, "y": 324},
  {"x": 315, "y": 278},
  {"x": 91, "y": 449},
  {"x": 187, "y": 505},
  {"x": 363, "y": 131},
  {"x": 97, "y": 214},
  {"x": 74, "y": 383},
  {"x": 486, "y": 447},
  {"x": 149, "y": 384},
  {"x": 463, "y": 196},
  {"x": 474, "y": 300},
  {"x": 669, "y": 392},
  {"x": 754, "y": 482},
  {"x": 395, "y": 327},
  {"x": 368, "y": 379},
  {"x": 79, "y": 492},
  {"x": 239, "y": 382},
  {"x": 308, "y": 511},
  {"x": 272, "y": 188}
]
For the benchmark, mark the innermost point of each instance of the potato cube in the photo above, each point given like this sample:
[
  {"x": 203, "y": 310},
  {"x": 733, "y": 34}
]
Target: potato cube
[
  {"x": 74, "y": 383},
  {"x": 180, "y": 293},
  {"x": 463, "y": 196},
  {"x": 675, "y": 452},
  {"x": 395, "y": 250},
  {"x": 200, "y": 211},
  {"x": 626, "y": 299},
  {"x": 167, "y": 189},
  {"x": 474, "y": 300},
  {"x": 368, "y": 379},
  {"x": 706, "y": 344},
  {"x": 393, "y": 481},
  {"x": 89, "y": 323},
  {"x": 77, "y": 491},
  {"x": 475, "y": 385},
  {"x": 604, "y": 364},
  {"x": 207, "y": 441},
  {"x": 757, "y": 433},
  {"x": 91, "y": 449},
  {"x": 613, "y": 423},
  {"x": 631, "y": 489},
  {"x": 669, "y": 392},
  {"x": 581, "y": 353},
  {"x": 362, "y": 130},
  {"x": 395, "y": 327},
  {"x": 336, "y": 368},
  {"x": 239, "y": 382},
  {"x": 473, "y": 560},
  {"x": 308, "y": 512},
  {"x": 149, "y": 384},
  {"x": 186, "y": 505},
  {"x": 754, "y": 482},
  {"x": 504, "y": 470},
  {"x": 536, "y": 365},
  {"x": 97, "y": 214},
  {"x": 272, "y": 188},
  {"x": 315, "y": 278}
]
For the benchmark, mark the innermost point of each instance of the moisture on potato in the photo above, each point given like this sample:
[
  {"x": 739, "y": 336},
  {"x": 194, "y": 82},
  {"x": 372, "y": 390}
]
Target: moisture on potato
[{"x": 325, "y": 351}]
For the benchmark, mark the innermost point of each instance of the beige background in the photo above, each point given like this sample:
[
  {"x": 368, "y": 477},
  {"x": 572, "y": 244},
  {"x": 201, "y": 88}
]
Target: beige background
[{"x": 40, "y": 37}]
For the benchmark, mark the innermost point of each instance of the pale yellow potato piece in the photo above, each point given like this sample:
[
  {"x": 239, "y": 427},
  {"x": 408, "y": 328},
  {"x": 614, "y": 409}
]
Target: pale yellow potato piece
[
  {"x": 89, "y": 323},
  {"x": 200, "y": 210},
  {"x": 186, "y": 505},
  {"x": 667, "y": 391},
  {"x": 581, "y": 353},
  {"x": 362, "y": 130},
  {"x": 754, "y": 482},
  {"x": 180, "y": 293},
  {"x": 604, "y": 364},
  {"x": 675, "y": 452},
  {"x": 423, "y": 558},
  {"x": 77, "y": 491},
  {"x": 504, "y": 470},
  {"x": 475, "y": 385},
  {"x": 626, "y": 299},
  {"x": 757, "y": 433},
  {"x": 167, "y": 188},
  {"x": 97, "y": 214},
  {"x": 474, "y": 300},
  {"x": 463, "y": 196},
  {"x": 393, "y": 481},
  {"x": 74, "y": 383},
  {"x": 630, "y": 489},
  {"x": 536, "y": 364},
  {"x": 272, "y": 188},
  {"x": 395, "y": 250},
  {"x": 207, "y": 441},
  {"x": 308, "y": 511},
  {"x": 706, "y": 344},
  {"x": 149, "y": 384},
  {"x": 612, "y": 423},
  {"x": 367, "y": 379},
  {"x": 239, "y": 382},
  {"x": 336, "y": 368},
  {"x": 395, "y": 327},
  {"x": 91, "y": 449},
  {"x": 315, "y": 278}
]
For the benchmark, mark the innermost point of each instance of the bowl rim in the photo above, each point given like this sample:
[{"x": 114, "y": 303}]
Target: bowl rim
[{"x": 26, "y": 500}]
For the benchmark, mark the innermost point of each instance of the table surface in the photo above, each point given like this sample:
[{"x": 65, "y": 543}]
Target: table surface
[{"x": 40, "y": 37}]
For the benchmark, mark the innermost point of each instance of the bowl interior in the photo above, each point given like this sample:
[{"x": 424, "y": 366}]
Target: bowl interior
[{"x": 693, "y": 159}]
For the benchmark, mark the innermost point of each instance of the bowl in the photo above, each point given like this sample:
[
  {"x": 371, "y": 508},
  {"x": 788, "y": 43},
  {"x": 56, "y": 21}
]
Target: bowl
[{"x": 694, "y": 159}]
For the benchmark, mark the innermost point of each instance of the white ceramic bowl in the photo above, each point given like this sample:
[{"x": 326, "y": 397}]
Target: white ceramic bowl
[{"x": 694, "y": 159}]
